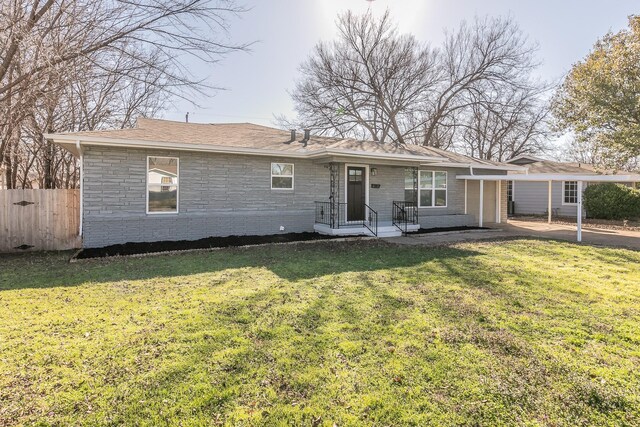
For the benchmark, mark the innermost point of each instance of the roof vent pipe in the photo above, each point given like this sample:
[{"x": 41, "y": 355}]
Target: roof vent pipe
[
  {"x": 293, "y": 137},
  {"x": 307, "y": 135}
]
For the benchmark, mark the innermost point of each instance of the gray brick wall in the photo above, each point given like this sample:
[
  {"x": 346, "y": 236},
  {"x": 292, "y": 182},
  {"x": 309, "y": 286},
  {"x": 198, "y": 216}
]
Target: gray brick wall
[
  {"x": 440, "y": 221},
  {"x": 218, "y": 195},
  {"x": 222, "y": 195}
]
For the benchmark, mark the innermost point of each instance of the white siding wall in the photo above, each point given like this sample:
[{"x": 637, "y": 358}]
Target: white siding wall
[{"x": 531, "y": 198}]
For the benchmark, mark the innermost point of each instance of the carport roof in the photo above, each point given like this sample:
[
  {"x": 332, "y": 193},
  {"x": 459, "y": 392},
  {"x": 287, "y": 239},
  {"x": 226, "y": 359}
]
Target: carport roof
[{"x": 553, "y": 177}]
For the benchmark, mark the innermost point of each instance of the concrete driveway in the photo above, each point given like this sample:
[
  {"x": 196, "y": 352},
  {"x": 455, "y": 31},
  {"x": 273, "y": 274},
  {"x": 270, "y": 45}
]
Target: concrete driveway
[{"x": 590, "y": 235}]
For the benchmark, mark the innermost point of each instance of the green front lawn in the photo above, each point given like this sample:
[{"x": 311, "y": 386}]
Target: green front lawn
[{"x": 515, "y": 333}]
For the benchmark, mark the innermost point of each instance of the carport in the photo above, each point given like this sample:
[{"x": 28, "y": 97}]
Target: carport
[{"x": 550, "y": 178}]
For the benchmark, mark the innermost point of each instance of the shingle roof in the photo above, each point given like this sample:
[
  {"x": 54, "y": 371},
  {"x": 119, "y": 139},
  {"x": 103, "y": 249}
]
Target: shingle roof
[
  {"x": 252, "y": 136},
  {"x": 460, "y": 158},
  {"x": 549, "y": 166},
  {"x": 536, "y": 165},
  {"x": 245, "y": 135}
]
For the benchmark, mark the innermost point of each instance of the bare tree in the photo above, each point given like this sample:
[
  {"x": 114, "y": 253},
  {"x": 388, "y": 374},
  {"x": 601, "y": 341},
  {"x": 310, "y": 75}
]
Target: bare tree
[
  {"x": 479, "y": 62},
  {"x": 56, "y": 32},
  {"x": 368, "y": 83},
  {"x": 376, "y": 83},
  {"x": 595, "y": 154},
  {"x": 91, "y": 99},
  {"x": 88, "y": 64},
  {"x": 506, "y": 123}
]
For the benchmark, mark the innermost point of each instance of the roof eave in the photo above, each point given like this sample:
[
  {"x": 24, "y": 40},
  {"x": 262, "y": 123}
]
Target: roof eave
[
  {"x": 63, "y": 140},
  {"x": 477, "y": 166},
  {"x": 372, "y": 155}
]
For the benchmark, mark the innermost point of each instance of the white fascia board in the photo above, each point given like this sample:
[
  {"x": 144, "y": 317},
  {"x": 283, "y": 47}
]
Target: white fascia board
[
  {"x": 131, "y": 143},
  {"x": 549, "y": 177},
  {"x": 476, "y": 166},
  {"x": 370, "y": 155}
]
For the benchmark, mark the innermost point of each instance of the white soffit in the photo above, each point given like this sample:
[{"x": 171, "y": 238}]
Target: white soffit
[{"x": 551, "y": 177}]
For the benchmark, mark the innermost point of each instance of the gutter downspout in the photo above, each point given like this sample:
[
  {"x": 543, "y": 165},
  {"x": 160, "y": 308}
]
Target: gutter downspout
[
  {"x": 79, "y": 147},
  {"x": 466, "y": 191}
]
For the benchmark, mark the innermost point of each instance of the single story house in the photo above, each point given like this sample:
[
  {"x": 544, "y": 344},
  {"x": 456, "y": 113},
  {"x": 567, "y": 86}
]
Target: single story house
[
  {"x": 549, "y": 196},
  {"x": 166, "y": 180}
]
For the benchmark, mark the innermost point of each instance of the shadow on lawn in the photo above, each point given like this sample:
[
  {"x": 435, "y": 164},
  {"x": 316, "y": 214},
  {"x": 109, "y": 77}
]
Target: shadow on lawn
[
  {"x": 329, "y": 329},
  {"x": 291, "y": 262}
]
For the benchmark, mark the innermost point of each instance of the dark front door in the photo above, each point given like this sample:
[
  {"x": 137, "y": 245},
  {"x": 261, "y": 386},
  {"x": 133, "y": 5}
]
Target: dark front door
[{"x": 355, "y": 193}]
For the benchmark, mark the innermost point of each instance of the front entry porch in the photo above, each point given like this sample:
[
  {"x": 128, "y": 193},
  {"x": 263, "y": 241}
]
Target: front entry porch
[
  {"x": 362, "y": 200},
  {"x": 337, "y": 219}
]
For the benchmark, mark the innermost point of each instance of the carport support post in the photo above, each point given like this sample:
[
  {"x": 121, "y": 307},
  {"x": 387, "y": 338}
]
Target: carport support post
[
  {"x": 579, "y": 211},
  {"x": 550, "y": 204},
  {"x": 481, "y": 203},
  {"x": 498, "y": 195}
]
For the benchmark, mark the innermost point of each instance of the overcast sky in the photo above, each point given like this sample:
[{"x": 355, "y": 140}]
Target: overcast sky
[{"x": 257, "y": 82}]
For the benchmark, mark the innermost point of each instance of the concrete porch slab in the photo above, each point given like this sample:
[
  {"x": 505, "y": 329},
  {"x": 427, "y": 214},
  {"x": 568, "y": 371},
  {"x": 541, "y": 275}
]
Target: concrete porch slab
[{"x": 384, "y": 230}]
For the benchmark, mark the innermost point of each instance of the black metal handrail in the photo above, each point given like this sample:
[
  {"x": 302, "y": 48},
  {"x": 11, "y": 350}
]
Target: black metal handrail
[
  {"x": 323, "y": 213},
  {"x": 371, "y": 220},
  {"x": 404, "y": 213},
  {"x": 334, "y": 214}
]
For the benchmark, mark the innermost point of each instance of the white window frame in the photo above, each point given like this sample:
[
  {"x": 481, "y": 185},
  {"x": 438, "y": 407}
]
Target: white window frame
[
  {"x": 177, "y": 186},
  {"x": 433, "y": 189},
  {"x": 411, "y": 188},
  {"x": 564, "y": 189},
  {"x": 293, "y": 176}
]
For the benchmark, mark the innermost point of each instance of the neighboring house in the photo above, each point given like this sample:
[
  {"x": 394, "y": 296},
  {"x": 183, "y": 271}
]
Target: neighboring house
[
  {"x": 531, "y": 197},
  {"x": 167, "y": 180}
]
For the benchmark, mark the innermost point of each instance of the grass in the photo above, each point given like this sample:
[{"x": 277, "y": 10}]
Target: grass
[{"x": 526, "y": 332}]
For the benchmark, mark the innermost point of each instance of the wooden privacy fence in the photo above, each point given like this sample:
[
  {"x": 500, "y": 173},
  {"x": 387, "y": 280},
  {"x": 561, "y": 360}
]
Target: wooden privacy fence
[{"x": 39, "y": 220}]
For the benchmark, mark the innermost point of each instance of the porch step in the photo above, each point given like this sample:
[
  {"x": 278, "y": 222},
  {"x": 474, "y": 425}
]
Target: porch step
[{"x": 386, "y": 230}]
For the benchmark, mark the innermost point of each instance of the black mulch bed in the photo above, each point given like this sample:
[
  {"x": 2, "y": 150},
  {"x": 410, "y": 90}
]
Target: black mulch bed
[
  {"x": 135, "y": 248},
  {"x": 443, "y": 229}
]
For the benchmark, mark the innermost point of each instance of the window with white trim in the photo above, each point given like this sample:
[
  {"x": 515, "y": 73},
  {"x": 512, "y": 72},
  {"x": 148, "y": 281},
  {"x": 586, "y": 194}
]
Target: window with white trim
[
  {"x": 282, "y": 176},
  {"x": 162, "y": 184},
  {"x": 510, "y": 191},
  {"x": 409, "y": 190},
  {"x": 432, "y": 189},
  {"x": 570, "y": 193}
]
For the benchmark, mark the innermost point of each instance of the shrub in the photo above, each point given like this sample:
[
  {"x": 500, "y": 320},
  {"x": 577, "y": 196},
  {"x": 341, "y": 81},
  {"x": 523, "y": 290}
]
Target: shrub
[{"x": 612, "y": 201}]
